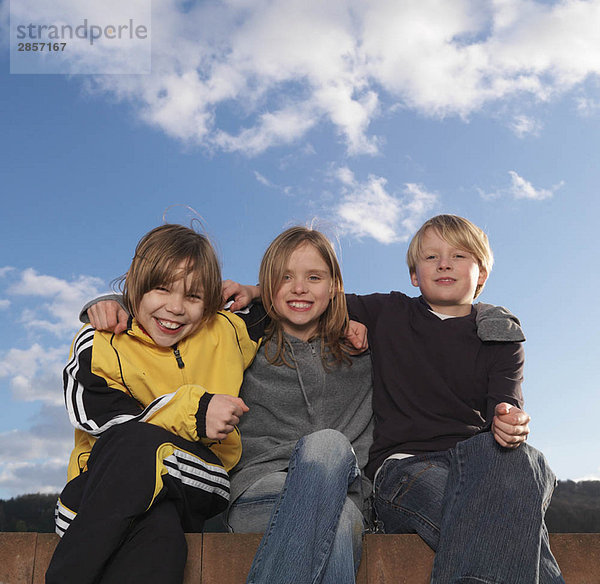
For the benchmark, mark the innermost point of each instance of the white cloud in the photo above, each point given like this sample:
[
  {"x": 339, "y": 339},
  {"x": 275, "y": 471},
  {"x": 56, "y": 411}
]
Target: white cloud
[
  {"x": 35, "y": 460},
  {"x": 246, "y": 76},
  {"x": 523, "y": 189},
  {"x": 272, "y": 129},
  {"x": 523, "y": 125},
  {"x": 488, "y": 196},
  {"x": 367, "y": 210},
  {"x": 416, "y": 206},
  {"x": 27, "y": 446},
  {"x": 59, "y": 314},
  {"x": 263, "y": 180},
  {"x": 42, "y": 304},
  {"x": 43, "y": 476},
  {"x": 4, "y": 304},
  {"x": 35, "y": 373},
  {"x": 345, "y": 176},
  {"x": 588, "y": 107},
  {"x": 593, "y": 476}
]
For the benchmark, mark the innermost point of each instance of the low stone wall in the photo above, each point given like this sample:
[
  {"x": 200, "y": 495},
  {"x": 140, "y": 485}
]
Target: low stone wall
[{"x": 221, "y": 558}]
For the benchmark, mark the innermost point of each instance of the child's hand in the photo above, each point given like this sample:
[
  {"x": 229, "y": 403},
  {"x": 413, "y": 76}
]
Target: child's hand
[
  {"x": 356, "y": 336},
  {"x": 108, "y": 315},
  {"x": 241, "y": 295},
  {"x": 223, "y": 414},
  {"x": 510, "y": 425}
]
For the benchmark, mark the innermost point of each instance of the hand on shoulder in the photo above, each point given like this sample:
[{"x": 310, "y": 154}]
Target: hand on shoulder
[{"x": 108, "y": 315}]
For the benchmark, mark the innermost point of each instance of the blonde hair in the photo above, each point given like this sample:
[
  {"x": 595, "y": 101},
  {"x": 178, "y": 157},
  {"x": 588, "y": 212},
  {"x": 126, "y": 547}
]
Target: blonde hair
[
  {"x": 332, "y": 323},
  {"x": 158, "y": 259},
  {"x": 458, "y": 232}
]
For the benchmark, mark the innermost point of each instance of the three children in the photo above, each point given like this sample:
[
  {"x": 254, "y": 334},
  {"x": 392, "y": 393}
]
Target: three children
[{"x": 443, "y": 373}]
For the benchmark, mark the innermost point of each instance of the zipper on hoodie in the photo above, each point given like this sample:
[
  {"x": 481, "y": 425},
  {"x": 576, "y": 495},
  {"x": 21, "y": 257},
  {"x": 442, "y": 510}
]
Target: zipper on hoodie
[{"x": 178, "y": 358}]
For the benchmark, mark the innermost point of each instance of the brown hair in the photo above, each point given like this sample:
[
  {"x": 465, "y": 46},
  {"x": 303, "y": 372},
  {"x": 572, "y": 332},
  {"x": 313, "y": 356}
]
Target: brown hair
[
  {"x": 158, "y": 259},
  {"x": 332, "y": 323},
  {"x": 458, "y": 232}
]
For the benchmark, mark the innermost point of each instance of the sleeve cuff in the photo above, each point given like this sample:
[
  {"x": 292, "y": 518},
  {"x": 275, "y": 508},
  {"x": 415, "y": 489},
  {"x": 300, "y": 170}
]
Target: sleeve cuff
[
  {"x": 201, "y": 414},
  {"x": 83, "y": 315},
  {"x": 496, "y": 323}
]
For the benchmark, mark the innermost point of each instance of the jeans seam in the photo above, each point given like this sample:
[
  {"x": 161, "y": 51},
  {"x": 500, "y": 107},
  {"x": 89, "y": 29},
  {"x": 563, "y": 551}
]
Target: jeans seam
[
  {"x": 325, "y": 551},
  {"x": 421, "y": 518},
  {"x": 346, "y": 467},
  {"x": 548, "y": 499},
  {"x": 259, "y": 556},
  {"x": 407, "y": 486}
]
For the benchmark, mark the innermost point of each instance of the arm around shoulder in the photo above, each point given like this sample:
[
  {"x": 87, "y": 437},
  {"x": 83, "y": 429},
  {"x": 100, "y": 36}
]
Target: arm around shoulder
[
  {"x": 496, "y": 323},
  {"x": 366, "y": 309},
  {"x": 509, "y": 424},
  {"x": 106, "y": 313}
]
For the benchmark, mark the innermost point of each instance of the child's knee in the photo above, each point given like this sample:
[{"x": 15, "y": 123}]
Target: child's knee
[
  {"x": 136, "y": 433},
  {"x": 327, "y": 453},
  {"x": 524, "y": 465},
  {"x": 132, "y": 439},
  {"x": 536, "y": 464},
  {"x": 325, "y": 445}
]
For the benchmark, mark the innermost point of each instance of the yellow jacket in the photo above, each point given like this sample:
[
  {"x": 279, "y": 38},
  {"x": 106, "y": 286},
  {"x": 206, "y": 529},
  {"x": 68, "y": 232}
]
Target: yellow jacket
[{"x": 112, "y": 379}]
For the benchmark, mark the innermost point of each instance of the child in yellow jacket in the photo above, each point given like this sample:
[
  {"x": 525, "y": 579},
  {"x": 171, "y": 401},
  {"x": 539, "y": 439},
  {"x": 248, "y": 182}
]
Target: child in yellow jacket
[{"x": 155, "y": 413}]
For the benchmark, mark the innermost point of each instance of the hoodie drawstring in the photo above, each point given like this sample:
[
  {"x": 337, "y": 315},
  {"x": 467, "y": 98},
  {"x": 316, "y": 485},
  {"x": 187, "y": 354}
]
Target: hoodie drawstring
[{"x": 299, "y": 374}]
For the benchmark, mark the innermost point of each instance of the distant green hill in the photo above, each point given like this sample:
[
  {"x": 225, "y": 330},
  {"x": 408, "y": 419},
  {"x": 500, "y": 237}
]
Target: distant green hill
[
  {"x": 575, "y": 508},
  {"x": 28, "y": 513}
]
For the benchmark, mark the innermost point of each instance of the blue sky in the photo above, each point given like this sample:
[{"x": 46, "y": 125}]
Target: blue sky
[{"x": 369, "y": 117}]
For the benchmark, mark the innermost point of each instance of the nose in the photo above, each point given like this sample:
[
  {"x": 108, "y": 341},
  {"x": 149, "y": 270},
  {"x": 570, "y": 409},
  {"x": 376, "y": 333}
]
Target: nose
[
  {"x": 174, "y": 303},
  {"x": 444, "y": 263},
  {"x": 299, "y": 286}
]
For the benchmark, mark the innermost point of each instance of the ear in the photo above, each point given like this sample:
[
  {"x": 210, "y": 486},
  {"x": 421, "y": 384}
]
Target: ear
[
  {"x": 483, "y": 276},
  {"x": 414, "y": 280}
]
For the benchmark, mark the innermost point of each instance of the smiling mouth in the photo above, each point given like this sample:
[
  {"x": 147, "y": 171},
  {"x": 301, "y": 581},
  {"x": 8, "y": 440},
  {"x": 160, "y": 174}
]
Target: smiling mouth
[
  {"x": 298, "y": 305},
  {"x": 169, "y": 325}
]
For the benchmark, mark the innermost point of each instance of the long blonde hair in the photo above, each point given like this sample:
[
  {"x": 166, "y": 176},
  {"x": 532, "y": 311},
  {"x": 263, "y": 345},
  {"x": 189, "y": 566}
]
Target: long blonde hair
[{"x": 332, "y": 323}]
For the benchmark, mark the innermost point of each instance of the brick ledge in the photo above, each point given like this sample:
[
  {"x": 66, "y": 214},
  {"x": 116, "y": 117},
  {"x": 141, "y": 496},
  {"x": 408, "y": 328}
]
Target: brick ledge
[{"x": 221, "y": 558}]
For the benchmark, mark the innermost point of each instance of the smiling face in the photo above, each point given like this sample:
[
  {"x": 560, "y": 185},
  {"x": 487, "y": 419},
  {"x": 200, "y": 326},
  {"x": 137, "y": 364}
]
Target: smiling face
[
  {"x": 447, "y": 276},
  {"x": 304, "y": 292},
  {"x": 171, "y": 312}
]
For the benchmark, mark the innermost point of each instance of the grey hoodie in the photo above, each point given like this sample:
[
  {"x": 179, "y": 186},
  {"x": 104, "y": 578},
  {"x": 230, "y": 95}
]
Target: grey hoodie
[{"x": 287, "y": 404}]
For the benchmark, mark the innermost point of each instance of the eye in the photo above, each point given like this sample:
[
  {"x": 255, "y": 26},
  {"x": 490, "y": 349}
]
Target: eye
[
  {"x": 314, "y": 278},
  {"x": 195, "y": 296},
  {"x": 162, "y": 288},
  {"x": 430, "y": 257},
  {"x": 286, "y": 278}
]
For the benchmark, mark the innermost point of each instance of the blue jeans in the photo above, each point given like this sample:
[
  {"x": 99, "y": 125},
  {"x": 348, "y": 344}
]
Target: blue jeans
[
  {"x": 312, "y": 530},
  {"x": 479, "y": 506}
]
